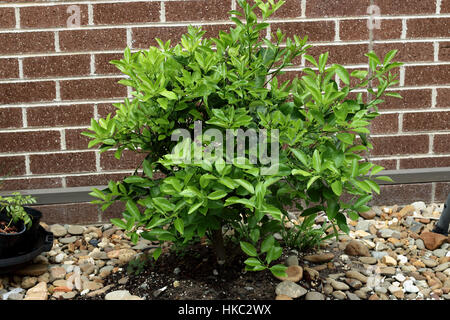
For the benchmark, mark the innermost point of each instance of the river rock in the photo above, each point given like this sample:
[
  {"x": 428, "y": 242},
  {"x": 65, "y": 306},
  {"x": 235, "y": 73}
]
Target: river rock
[
  {"x": 38, "y": 292},
  {"x": 58, "y": 230},
  {"x": 433, "y": 240},
  {"x": 68, "y": 240},
  {"x": 118, "y": 295},
  {"x": 28, "y": 282},
  {"x": 313, "y": 295},
  {"x": 294, "y": 274},
  {"x": 357, "y": 248},
  {"x": 353, "y": 274},
  {"x": 290, "y": 289},
  {"x": 338, "y": 285},
  {"x": 75, "y": 230},
  {"x": 319, "y": 258}
]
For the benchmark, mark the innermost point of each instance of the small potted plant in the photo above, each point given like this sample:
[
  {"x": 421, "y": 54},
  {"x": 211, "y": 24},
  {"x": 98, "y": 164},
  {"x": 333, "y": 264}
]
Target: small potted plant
[{"x": 15, "y": 223}]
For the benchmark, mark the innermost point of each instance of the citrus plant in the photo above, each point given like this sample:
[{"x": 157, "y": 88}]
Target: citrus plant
[
  {"x": 12, "y": 206},
  {"x": 188, "y": 97}
]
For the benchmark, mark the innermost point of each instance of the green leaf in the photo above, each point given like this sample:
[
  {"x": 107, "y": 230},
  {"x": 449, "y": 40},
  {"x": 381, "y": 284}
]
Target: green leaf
[
  {"x": 362, "y": 201},
  {"x": 157, "y": 253},
  {"x": 304, "y": 173},
  {"x": 311, "y": 181},
  {"x": 247, "y": 185},
  {"x": 169, "y": 95},
  {"x": 179, "y": 225},
  {"x": 389, "y": 56},
  {"x": 337, "y": 187},
  {"x": 195, "y": 207},
  {"x": 384, "y": 178},
  {"x": 164, "y": 204},
  {"x": 249, "y": 249},
  {"x": 342, "y": 73},
  {"x": 133, "y": 210},
  {"x": 119, "y": 222},
  {"x": 300, "y": 155},
  {"x": 278, "y": 270},
  {"x": 346, "y": 137},
  {"x": 216, "y": 195},
  {"x": 267, "y": 244},
  {"x": 228, "y": 182},
  {"x": 317, "y": 161},
  {"x": 273, "y": 254},
  {"x": 253, "y": 262}
]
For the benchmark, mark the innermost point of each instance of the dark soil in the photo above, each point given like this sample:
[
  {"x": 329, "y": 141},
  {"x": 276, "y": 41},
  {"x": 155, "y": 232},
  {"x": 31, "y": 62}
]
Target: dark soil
[
  {"x": 200, "y": 277},
  {"x": 4, "y": 228}
]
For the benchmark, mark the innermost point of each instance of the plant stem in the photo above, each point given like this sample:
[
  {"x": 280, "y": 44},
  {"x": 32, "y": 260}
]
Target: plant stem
[{"x": 217, "y": 240}]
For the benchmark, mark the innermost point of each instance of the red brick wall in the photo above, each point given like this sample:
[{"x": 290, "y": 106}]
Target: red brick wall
[{"x": 53, "y": 78}]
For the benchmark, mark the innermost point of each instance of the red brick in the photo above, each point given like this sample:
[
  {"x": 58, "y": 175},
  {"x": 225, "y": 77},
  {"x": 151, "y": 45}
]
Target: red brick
[
  {"x": 10, "y": 167},
  {"x": 384, "y": 124},
  {"x": 27, "y": 42},
  {"x": 75, "y": 140},
  {"x": 441, "y": 143},
  {"x": 444, "y": 51},
  {"x": 56, "y": 66},
  {"x": 30, "y": 141},
  {"x": 27, "y": 92},
  {"x": 407, "y": 52},
  {"x": 92, "y": 40},
  {"x": 129, "y": 160},
  {"x": 411, "y": 99},
  {"x": 387, "y": 164},
  {"x": 51, "y": 16},
  {"x": 113, "y": 211},
  {"x": 92, "y": 89},
  {"x": 316, "y": 31},
  {"x": 442, "y": 192},
  {"x": 443, "y": 98},
  {"x": 104, "y": 109},
  {"x": 403, "y": 194},
  {"x": 390, "y": 8},
  {"x": 336, "y": 8},
  {"x": 7, "y": 18},
  {"x": 94, "y": 180},
  {"x": 62, "y": 163},
  {"x": 426, "y": 121},
  {"x": 358, "y": 30},
  {"x": 10, "y": 118},
  {"x": 143, "y": 38},
  {"x": 123, "y": 13},
  {"x": 32, "y": 183},
  {"x": 400, "y": 145},
  {"x": 9, "y": 68},
  {"x": 436, "y": 162},
  {"x": 428, "y": 28},
  {"x": 103, "y": 65},
  {"x": 341, "y": 54},
  {"x": 427, "y": 75},
  {"x": 73, "y": 115},
  {"x": 445, "y": 6},
  {"x": 70, "y": 213},
  {"x": 291, "y": 9},
  {"x": 198, "y": 10}
]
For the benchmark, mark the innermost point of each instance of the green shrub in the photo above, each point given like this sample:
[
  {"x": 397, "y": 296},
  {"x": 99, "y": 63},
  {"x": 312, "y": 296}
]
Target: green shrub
[{"x": 314, "y": 129}]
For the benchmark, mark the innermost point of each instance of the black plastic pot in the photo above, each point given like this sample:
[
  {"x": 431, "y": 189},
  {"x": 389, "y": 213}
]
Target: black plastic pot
[
  {"x": 31, "y": 233},
  {"x": 43, "y": 243},
  {"x": 11, "y": 243}
]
